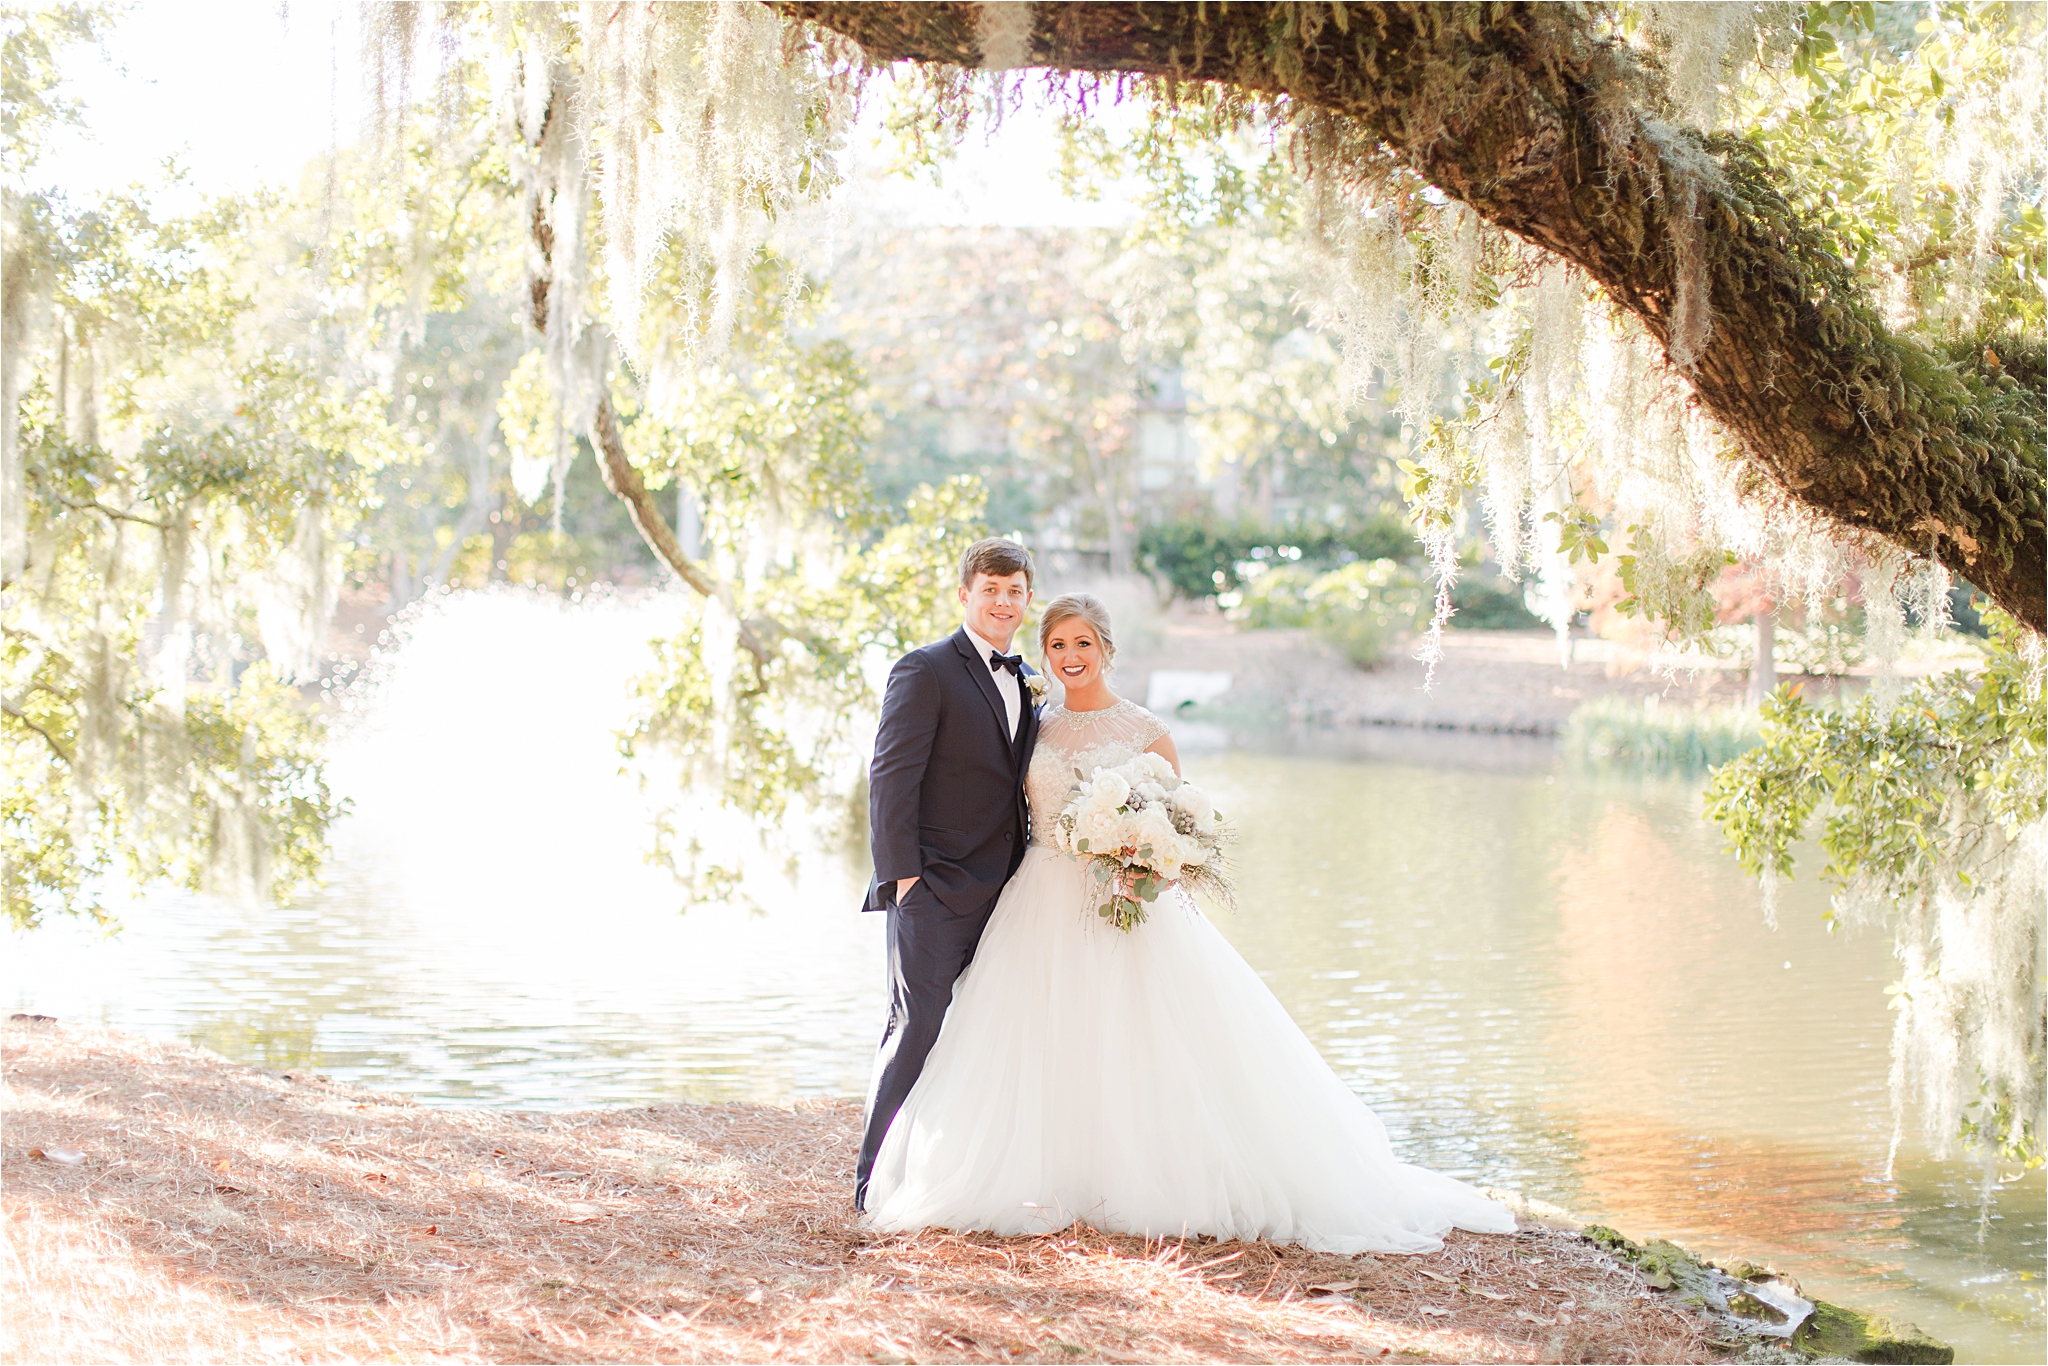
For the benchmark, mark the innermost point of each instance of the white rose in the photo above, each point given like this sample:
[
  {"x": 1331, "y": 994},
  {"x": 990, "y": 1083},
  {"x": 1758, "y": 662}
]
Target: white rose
[
  {"x": 1105, "y": 802},
  {"x": 1155, "y": 827},
  {"x": 1191, "y": 851},
  {"x": 1101, "y": 827},
  {"x": 1192, "y": 803},
  {"x": 1112, "y": 786},
  {"x": 1151, "y": 792},
  {"x": 1158, "y": 770}
]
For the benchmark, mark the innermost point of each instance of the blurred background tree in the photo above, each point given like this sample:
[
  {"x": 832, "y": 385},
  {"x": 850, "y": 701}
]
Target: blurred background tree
[{"x": 187, "y": 446}]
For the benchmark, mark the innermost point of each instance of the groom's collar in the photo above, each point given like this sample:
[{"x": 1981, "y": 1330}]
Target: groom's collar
[{"x": 974, "y": 639}]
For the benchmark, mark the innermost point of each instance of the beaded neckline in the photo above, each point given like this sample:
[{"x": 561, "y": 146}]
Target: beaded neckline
[{"x": 1089, "y": 718}]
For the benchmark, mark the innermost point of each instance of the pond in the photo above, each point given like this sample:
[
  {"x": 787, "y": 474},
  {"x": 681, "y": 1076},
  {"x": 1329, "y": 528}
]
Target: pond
[{"x": 1540, "y": 977}]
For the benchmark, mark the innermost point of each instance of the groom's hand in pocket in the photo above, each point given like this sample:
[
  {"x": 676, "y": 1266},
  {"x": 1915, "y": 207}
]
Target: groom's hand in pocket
[{"x": 903, "y": 886}]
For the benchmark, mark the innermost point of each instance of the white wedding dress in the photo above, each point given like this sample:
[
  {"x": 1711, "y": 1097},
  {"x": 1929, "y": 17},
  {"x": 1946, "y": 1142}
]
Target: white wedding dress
[{"x": 1144, "y": 1083}]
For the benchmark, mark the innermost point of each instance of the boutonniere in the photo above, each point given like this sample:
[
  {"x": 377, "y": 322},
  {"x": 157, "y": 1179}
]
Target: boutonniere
[{"x": 1039, "y": 687}]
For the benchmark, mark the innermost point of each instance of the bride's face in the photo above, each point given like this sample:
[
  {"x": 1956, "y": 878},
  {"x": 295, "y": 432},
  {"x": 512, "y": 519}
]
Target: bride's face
[{"x": 1073, "y": 654}]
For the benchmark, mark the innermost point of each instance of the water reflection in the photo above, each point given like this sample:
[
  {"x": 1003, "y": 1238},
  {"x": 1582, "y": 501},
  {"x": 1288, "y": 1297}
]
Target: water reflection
[
  {"x": 1541, "y": 978},
  {"x": 1556, "y": 981}
]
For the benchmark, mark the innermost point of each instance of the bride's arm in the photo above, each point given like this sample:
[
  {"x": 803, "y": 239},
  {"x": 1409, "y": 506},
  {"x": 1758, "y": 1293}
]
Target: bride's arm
[{"x": 1163, "y": 747}]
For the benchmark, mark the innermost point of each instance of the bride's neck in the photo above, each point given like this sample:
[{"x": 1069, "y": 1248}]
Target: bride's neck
[{"x": 1095, "y": 698}]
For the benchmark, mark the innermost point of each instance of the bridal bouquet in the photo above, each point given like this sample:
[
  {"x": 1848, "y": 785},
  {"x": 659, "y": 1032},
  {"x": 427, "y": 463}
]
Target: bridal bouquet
[{"x": 1139, "y": 827}]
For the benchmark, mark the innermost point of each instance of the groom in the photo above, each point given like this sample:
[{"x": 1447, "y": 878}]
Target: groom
[{"x": 946, "y": 803}]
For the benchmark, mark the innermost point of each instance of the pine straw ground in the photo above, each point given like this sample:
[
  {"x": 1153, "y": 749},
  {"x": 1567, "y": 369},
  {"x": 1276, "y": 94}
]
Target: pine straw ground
[{"x": 219, "y": 1212}]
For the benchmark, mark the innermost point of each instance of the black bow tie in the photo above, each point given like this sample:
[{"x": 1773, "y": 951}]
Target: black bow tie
[{"x": 998, "y": 660}]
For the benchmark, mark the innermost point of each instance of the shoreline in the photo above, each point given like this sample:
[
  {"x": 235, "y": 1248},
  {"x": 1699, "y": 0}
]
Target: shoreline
[
  {"x": 183, "y": 1206},
  {"x": 1489, "y": 682}
]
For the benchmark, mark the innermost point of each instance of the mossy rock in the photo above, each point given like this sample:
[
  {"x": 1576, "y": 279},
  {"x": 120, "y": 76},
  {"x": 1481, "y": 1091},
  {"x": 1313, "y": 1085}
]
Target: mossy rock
[
  {"x": 1830, "y": 1332},
  {"x": 1664, "y": 1265},
  {"x": 1847, "y": 1335},
  {"x": 1747, "y": 1306},
  {"x": 1668, "y": 1266}
]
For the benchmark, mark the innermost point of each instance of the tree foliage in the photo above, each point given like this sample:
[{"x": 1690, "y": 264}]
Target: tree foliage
[
  {"x": 1930, "y": 810},
  {"x": 1910, "y": 137},
  {"x": 33, "y": 38},
  {"x": 186, "y": 472},
  {"x": 201, "y": 434},
  {"x": 690, "y": 365}
]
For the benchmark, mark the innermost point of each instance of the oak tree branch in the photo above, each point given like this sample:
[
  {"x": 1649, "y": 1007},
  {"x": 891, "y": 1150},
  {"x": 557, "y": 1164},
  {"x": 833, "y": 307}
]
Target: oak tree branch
[{"x": 1543, "y": 126}]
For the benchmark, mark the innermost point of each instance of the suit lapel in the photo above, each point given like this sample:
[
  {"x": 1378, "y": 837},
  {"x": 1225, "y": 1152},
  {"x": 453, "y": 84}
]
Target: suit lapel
[
  {"x": 1027, "y": 731},
  {"x": 984, "y": 677}
]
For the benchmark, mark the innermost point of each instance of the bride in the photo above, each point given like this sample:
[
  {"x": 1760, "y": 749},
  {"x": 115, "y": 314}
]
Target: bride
[{"x": 1143, "y": 1082}]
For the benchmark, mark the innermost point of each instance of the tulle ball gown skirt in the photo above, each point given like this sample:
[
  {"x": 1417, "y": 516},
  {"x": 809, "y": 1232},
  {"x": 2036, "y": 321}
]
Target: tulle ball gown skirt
[{"x": 1143, "y": 1083}]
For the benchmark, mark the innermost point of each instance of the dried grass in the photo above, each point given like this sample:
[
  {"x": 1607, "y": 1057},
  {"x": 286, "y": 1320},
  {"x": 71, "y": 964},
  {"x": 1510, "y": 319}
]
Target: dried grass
[{"x": 226, "y": 1213}]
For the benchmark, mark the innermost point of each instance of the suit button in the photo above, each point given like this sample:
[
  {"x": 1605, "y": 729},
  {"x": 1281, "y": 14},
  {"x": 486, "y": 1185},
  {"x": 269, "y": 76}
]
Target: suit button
[{"x": 1006, "y": 835}]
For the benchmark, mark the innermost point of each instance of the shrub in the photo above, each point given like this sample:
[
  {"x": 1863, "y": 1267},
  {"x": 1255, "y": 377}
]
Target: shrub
[
  {"x": 1359, "y": 610},
  {"x": 1200, "y": 558},
  {"x": 1196, "y": 559},
  {"x": 1362, "y": 609},
  {"x": 1276, "y": 598},
  {"x": 1492, "y": 606}
]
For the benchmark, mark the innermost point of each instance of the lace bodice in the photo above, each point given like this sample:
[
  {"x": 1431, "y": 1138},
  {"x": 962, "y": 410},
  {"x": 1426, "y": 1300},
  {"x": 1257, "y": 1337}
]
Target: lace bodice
[{"x": 1083, "y": 741}]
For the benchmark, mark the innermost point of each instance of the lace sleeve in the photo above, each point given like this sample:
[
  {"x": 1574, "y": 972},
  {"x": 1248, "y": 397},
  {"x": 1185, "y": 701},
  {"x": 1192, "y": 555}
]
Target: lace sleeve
[{"x": 1150, "y": 728}]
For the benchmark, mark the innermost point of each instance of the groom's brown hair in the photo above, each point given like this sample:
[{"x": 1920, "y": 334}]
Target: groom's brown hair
[{"x": 996, "y": 556}]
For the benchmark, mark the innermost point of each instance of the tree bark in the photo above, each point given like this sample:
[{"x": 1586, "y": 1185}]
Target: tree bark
[{"x": 1542, "y": 126}]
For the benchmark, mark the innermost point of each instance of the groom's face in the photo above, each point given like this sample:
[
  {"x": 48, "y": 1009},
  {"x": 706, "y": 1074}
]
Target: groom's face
[{"x": 995, "y": 606}]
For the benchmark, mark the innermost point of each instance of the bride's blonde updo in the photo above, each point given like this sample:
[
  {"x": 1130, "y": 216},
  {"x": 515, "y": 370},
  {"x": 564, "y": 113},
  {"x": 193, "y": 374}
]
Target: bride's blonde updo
[{"x": 1089, "y": 609}]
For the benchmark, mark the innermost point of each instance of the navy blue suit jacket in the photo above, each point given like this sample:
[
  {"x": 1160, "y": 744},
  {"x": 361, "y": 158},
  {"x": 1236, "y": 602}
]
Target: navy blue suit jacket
[{"x": 946, "y": 789}]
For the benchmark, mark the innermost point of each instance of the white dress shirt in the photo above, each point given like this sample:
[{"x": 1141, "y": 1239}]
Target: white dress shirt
[{"x": 1010, "y": 685}]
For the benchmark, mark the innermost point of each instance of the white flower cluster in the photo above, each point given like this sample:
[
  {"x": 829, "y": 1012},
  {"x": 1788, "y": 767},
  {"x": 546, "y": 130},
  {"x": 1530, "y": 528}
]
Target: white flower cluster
[{"x": 1141, "y": 828}]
